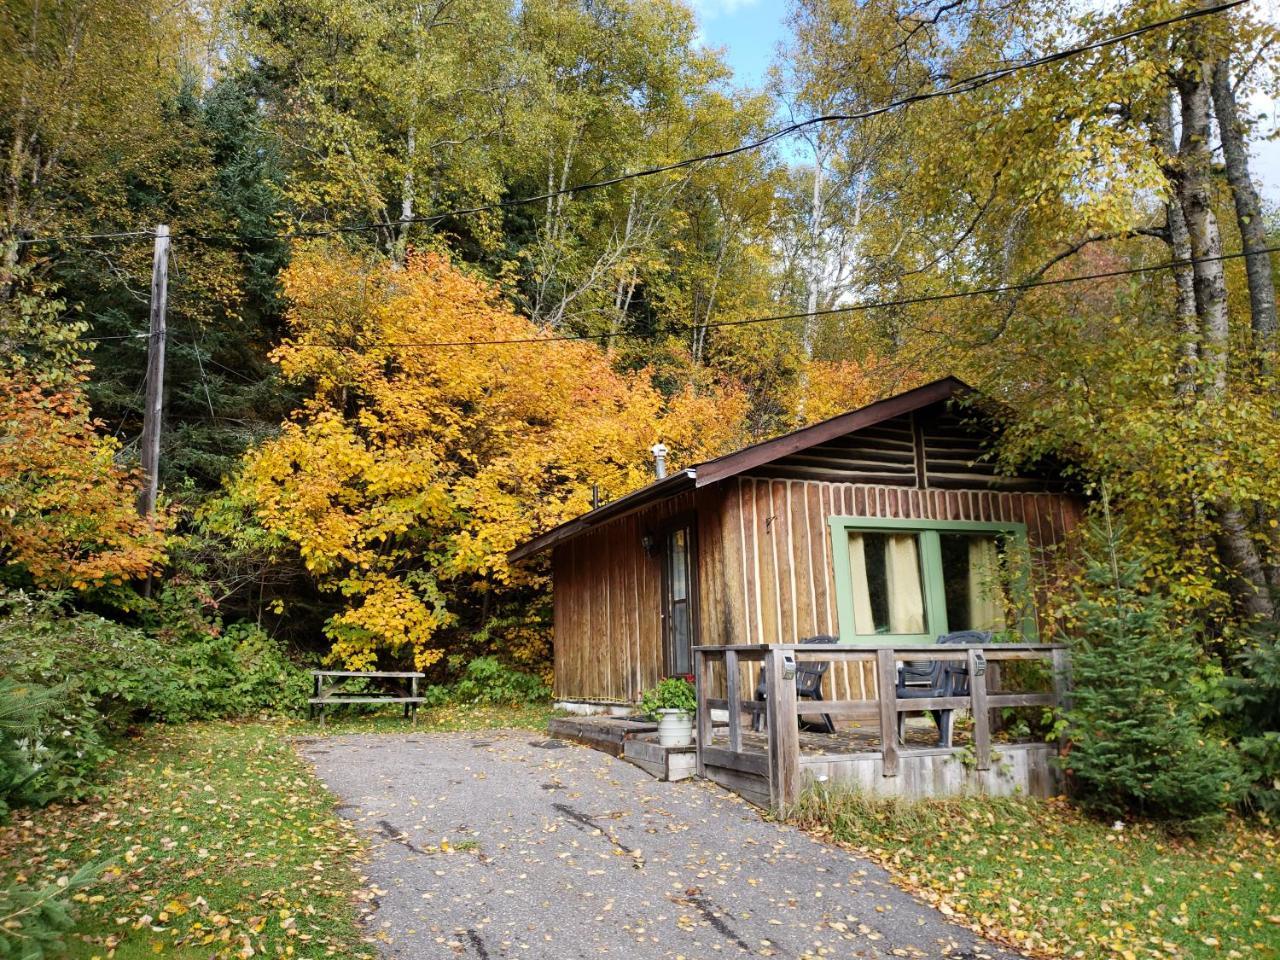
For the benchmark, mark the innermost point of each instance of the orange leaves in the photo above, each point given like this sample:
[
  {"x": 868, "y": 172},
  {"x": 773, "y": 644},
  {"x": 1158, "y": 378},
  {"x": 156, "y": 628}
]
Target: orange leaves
[
  {"x": 412, "y": 470},
  {"x": 66, "y": 510}
]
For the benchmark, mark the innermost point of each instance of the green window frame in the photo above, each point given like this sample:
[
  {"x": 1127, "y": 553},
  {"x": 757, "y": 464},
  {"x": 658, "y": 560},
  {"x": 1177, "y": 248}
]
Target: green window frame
[{"x": 932, "y": 581}]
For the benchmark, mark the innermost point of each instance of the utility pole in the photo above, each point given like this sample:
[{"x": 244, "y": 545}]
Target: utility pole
[{"x": 154, "y": 411}]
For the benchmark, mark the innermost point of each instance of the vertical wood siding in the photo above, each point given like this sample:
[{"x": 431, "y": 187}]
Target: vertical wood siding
[
  {"x": 764, "y": 572},
  {"x": 792, "y": 593},
  {"x": 607, "y": 607},
  {"x": 777, "y": 548}
]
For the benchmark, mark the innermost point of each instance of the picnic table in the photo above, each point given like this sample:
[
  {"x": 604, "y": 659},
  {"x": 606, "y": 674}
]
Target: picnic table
[{"x": 329, "y": 689}]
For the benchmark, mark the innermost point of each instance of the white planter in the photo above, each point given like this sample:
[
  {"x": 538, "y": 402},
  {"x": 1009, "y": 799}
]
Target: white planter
[{"x": 675, "y": 728}]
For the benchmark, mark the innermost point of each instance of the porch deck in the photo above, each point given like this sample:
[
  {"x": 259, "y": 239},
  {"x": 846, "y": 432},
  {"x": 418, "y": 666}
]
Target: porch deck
[{"x": 771, "y": 768}]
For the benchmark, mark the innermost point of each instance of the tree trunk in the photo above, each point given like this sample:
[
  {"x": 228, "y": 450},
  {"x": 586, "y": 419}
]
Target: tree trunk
[
  {"x": 809, "y": 332},
  {"x": 1188, "y": 320},
  {"x": 1202, "y": 225},
  {"x": 400, "y": 253},
  {"x": 1253, "y": 233},
  {"x": 1239, "y": 553}
]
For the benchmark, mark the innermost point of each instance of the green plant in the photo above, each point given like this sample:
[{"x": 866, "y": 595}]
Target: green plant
[
  {"x": 23, "y": 712},
  {"x": 99, "y": 676},
  {"x": 33, "y": 919},
  {"x": 1250, "y": 710},
  {"x": 673, "y": 693},
  {"x": 488, "y": 680},
  {"x": 1136, "y": 745}
]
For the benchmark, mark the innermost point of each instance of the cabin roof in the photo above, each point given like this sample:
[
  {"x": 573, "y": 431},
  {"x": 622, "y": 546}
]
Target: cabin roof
[{"x": 748, "y": 458}]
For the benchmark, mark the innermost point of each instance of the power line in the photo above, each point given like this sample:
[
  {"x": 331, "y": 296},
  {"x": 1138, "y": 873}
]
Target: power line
[
  {"x": 36, "y": 343},
  {"x": 957, "y": 87},
  {"x": 831, "y": 311},
  {"x": 862, "y": 307}
]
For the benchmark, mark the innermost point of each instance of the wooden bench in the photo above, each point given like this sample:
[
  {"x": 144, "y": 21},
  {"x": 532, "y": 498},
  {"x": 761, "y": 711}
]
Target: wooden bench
[{"x": 326, "y": 694}]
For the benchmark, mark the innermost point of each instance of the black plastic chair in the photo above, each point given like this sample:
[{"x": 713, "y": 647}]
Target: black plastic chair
[
  {"x": 925, "y": 679},
  {"x": 808, "y": 687}
]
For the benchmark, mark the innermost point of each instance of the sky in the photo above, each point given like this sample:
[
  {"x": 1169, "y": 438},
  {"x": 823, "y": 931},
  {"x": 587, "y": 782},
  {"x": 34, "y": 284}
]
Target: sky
[{"x": 749, "y": 32}]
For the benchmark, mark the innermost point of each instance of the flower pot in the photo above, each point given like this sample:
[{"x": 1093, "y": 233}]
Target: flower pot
[{"x": 675, "y": 728}]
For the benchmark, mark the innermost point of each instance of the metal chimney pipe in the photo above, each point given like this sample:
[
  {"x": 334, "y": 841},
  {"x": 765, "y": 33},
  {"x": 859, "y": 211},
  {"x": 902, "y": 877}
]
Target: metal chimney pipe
[{"x": 659, "y": 451}]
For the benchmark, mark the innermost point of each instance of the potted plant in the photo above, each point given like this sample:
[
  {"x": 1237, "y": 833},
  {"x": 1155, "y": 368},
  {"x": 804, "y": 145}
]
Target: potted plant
[{"x": 672, "y": 704}]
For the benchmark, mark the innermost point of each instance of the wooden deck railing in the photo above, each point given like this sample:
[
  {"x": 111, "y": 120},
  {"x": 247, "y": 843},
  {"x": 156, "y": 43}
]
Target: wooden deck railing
[{"x": 780, "y": 760}]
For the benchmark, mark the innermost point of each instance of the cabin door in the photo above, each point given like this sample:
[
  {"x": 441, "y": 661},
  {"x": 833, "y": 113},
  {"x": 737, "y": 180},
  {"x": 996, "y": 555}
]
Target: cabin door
[{"x": 678, "y": 623}]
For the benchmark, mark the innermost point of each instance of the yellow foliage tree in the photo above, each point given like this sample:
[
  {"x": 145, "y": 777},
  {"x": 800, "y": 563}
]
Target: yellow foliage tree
[
  {"x": 833, "y": 387},
  {"x": 418, "y": 461}
]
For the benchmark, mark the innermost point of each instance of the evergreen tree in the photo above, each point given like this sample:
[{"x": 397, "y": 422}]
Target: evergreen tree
[{"x": 1137, "y": 746}]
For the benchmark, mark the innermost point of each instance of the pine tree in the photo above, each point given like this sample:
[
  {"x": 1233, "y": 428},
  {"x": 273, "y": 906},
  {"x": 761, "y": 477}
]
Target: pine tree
[{"x": 1136, "y": 742}]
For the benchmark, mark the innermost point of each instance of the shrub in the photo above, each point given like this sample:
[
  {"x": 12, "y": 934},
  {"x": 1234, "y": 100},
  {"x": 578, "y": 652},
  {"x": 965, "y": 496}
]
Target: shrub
[
  {"x": 1251, "y": 712},
  {"x": 673, "y": 693},
  {"x": 1136, "y": 745},
  {"x": 212, "y": 671},
  {"x": 23, "y": 709},
  {"x": 99, "y": 676},
  {"x": 488, "y": 680},
  {"x": 33, "y": 919}
]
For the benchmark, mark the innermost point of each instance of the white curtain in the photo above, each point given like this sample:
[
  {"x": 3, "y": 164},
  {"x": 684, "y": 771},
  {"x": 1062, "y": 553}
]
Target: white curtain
[
  {"x": 906, "y": 603},
  {"x": 986, "y": 594},
  {"x": 863, "y": 620}
]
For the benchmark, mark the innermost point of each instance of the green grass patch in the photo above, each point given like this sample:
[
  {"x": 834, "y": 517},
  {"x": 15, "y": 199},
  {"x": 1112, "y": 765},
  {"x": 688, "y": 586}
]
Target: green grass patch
[
  {"x": 446, "y": 719},
  {"x": 1042, "y": 876},
  {"x": 221, "y": 841}
]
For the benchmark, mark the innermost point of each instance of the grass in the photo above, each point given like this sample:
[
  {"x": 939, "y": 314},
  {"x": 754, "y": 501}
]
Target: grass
[
  {"x": 220, "y": 842},
  {"x": 455, "y": 717},
  {"x": 1053, "y": 882}
]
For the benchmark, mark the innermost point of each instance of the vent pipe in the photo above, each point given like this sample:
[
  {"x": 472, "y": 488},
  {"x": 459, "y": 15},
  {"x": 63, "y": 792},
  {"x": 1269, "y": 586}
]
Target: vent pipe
[{"x": 659, "y": 451}]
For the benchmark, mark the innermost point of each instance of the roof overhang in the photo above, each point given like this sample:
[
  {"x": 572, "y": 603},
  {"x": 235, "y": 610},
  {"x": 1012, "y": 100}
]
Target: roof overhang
[
  {"x": 668, "y": 486},
  {"x": 740, "y": 461}
]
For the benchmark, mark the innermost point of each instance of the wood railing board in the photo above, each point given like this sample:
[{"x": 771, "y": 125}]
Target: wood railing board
[
  {"x": 981, "y": 712},
  {"x": 701, "y": 688},
  {"x": 887, "y": 688},
  {"x": 1020, "y": 700},
  {"x": 844, "y": 709},
  {"x": 756, "y": 763},
  {"x": 735, "y": 701},
  {"x": 784, "y": 737}
]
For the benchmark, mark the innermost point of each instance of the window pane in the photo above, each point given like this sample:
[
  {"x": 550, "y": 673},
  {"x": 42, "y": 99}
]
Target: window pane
[
  {"x": 681, "y": 654},
  {"x": 678, "y": 545},
  {"x": 887, "y": 594},
  {"x": 974, "y": 576}
]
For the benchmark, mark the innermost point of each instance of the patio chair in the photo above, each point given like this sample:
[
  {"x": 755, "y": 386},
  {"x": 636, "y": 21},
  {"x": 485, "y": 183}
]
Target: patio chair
[
  {"x": 925, "y": 679},
  {"x": 808, "y": 687}
]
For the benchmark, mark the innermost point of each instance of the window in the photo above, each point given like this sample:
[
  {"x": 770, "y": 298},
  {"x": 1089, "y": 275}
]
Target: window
[
  {"x": 910, "y": 581},
  {"x": 973, "y": 578},
  {"x": 677, "y": 594},
  {"x": 887, "y": 583}
]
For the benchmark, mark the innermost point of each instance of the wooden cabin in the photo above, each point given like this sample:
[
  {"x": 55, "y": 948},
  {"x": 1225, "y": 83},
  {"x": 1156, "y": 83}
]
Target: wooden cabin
[{"x": 888, "y": 524}]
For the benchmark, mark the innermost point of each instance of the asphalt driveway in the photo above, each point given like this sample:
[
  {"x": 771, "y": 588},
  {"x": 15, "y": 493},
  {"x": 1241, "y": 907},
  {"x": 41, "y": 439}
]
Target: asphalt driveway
[{"x": 508, "y": 844}]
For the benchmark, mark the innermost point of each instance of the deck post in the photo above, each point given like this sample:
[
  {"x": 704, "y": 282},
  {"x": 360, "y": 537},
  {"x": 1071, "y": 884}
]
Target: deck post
[
  {"x": 734, "y": 700},
  {"x": 1061, "y": 663},
  {"x": 701, "y": 685},
  {"x": 887, "y": 691},
  {"x": 784, "y": 734},
  {"x": 981, "y": 712}
]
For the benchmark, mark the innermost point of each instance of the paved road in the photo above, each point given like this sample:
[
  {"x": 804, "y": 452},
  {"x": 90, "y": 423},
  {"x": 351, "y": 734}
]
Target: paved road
[{"x": 512, "y": 845}]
